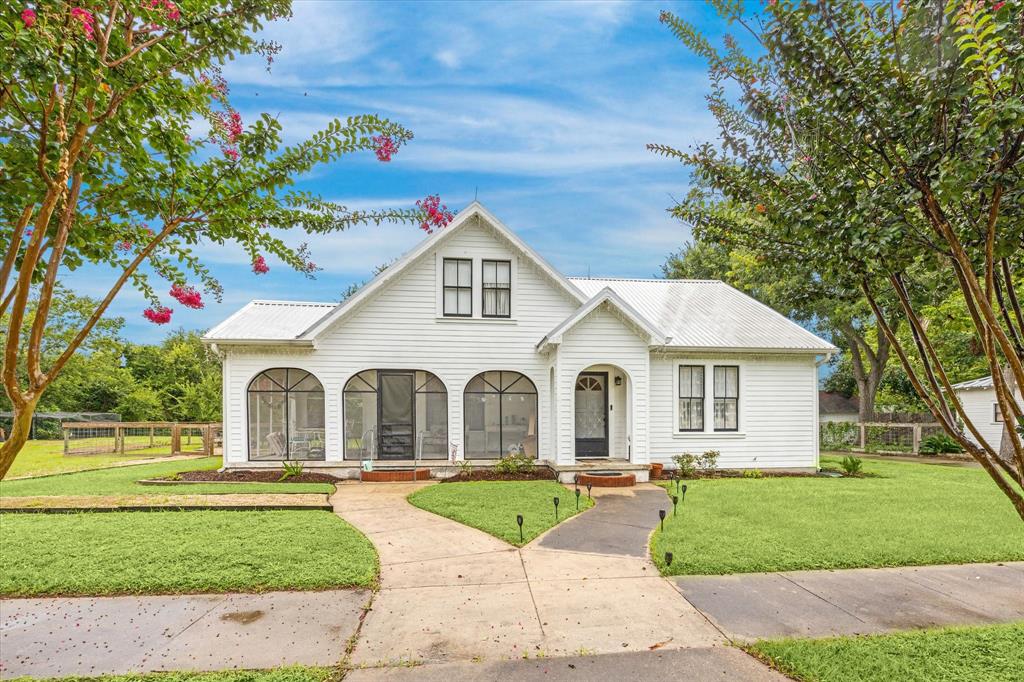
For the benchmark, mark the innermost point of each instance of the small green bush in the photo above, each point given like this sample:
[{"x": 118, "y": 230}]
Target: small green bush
[
  {"x": 685, "y": 465},
  {"x": 939, "y": 443},
  {"x": 852, "y": 465},
  {"x": 514, "y": 464},
  {"x": 752, "y": 473},
  {"x": 708, "y": 460},
  {"x": 290, "y": 470}
]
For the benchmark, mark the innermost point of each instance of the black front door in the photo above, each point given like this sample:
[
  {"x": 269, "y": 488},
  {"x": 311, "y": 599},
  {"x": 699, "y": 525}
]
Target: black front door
[
  {"x": 592, "y": 414},
  {"x": 397, "y": 415}
]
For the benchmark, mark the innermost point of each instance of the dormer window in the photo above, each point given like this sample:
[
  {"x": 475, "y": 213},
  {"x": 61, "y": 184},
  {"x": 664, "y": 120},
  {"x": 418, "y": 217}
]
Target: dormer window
[
  {"x": 497, "y": 288},
  {"x": 458, "y": 287}
]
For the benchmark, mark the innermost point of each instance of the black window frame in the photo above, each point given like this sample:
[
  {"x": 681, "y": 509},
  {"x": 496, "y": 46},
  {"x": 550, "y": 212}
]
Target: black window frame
[
  {"x": 491, "y": 389},
  {"x": 690, "y": 398},
  {"x": 997, "y": 414},
  {"x": 285, "y": 391},
  {"x": 716, "y": 398},
  {"x": 484, "y": 287},
  {"x": 455, "y": 287}
]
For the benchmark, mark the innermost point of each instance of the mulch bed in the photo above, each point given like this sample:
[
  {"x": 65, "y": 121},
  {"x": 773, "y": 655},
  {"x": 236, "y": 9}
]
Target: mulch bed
[
  {"x": 251, "y": 476},
  {"x": 535, "y": 474}
]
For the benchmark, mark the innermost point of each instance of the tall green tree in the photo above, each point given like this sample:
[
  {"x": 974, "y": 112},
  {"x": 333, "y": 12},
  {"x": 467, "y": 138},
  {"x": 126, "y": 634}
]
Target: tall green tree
[
  {"x": 882, "y": 145},
  {"x": 101, "y": 163}
]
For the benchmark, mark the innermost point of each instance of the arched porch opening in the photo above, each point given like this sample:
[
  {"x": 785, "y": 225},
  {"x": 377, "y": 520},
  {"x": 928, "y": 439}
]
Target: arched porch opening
[{"x": 603, "y": 413}]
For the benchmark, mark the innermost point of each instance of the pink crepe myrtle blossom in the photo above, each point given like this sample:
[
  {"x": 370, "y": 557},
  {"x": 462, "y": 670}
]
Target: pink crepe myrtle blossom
[
  {"x": 87, "y": 20},
  {"x": 259, "y": 265},
  {"x": 230, "y": 152},
  {"x": 125, "y": 245},
  {"x": 435, "y": 214},
  {"x": 158, "y": 314},
  {"x": 997, "y": 6},
  {"x": 187, "y": 296},
  {"x": 386, "y": 148},
  {"x": 28, "y": 17}
]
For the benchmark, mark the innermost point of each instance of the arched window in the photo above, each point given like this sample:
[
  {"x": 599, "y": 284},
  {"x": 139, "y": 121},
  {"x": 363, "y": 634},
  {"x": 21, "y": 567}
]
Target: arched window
[
  {"x": 286, "y": 415},
  {"x": 396, "y": 414},
  {"x": 501, "y": 415}
]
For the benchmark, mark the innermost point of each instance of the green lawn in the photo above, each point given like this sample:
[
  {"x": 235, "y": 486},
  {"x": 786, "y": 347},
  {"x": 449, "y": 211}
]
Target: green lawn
[
  {"x": 289, "y": 674},
  {"x": 911, "y": 514},
  {"x": 122, "y": 481},
  {"x": 492, "y": 506},
  {"x": 981, "y": 654},
  {"x": 181, "y": 552},
  {"x": 42, "y": 457}
]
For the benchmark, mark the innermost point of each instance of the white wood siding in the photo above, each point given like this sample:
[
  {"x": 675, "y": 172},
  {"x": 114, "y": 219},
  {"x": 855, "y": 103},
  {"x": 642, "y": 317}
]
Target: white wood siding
[
  {"x": 978, "y": 404},
  {"x": 777, "y": 412},
  {"x": 602, "y": 338},
  {"x": 399, "y": 328}
]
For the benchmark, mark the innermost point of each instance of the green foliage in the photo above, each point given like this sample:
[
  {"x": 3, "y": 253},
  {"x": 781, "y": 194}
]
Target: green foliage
[
  {"x": 140, "y": 404},
  {"x": 708, "y": 460},
  {"x": 492, "y": 506},
  {"x": 290, "y": 470},
  {"x": 852, "y": 465},
  {"x": 686, "y": 465},
  {"x": 946, "y": 515},
  {"x": 283, "y": 674},
  {"x": 991, "y": 653},
  {"x": 752, "y": 473},
  {"x": 939, "y": 443},
  {"x": 182, "y": 551},
  {"x": 838, "y": 435},
  {"x": 514, "y": 463}
]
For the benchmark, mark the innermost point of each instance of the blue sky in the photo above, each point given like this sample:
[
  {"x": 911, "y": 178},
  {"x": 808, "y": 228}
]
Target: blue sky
[{"x": 543, "y": 109}]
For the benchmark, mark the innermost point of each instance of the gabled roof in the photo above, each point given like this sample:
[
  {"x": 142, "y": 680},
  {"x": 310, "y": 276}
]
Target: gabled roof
[
  {"x": 975, "y": 384},
  {"x": 461, "y": 220},
  {"x": 836, "y": 403},
  {"x": 709, "y": 315},
  {"x": 270, "y": 321},
  {"x": 606, "y": 295}
]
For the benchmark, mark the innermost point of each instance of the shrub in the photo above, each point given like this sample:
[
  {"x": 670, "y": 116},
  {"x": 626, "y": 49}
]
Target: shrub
[
  {"x": 838, "y": 435},
  {"x": 852, "y": 465},
  {"x": 290, "y": 470},
  {"x": 708, "y": 460},
  {"x": 939, "y": 443},
  {"x": 514, "y": 463},
  {"x": 465, "y": 467},
  {"x": 685, "y": 465},
  {"x": 752, "y": 473}
]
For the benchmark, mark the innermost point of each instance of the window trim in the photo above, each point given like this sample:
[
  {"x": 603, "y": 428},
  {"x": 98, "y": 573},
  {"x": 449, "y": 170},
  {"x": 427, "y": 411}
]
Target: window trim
[
  {"x": 702, "y": 398},
  {"x": 456, "y": 287},
  {"x": 997, "y": 414},
  {"x": 715, "y": 398},
  {"x": 484, "y": 288}
]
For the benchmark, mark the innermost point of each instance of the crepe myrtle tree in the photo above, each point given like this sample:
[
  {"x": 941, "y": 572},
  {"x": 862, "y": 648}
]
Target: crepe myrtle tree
[
  {"x": 881, "y": 144},
  {"x": 119, "y": 147}
]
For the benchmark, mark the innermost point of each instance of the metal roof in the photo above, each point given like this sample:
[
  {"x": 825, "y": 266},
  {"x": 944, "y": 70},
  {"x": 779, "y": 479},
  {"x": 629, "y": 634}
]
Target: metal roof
[
  {"x": 983, "y": 382},
  {"x": 708, "y": 314},
  {"x": 269, "y": 321}
]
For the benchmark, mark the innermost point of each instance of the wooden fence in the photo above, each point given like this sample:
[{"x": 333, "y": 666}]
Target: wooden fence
[
  {"x": 887, "y": 438},
  {"x": 170, "y": 438}
]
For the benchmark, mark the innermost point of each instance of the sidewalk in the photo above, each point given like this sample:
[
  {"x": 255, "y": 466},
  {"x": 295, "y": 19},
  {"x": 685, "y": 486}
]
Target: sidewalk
[
  {"x": 857, "y": 601},
  {"x": 453, "y": 593}
]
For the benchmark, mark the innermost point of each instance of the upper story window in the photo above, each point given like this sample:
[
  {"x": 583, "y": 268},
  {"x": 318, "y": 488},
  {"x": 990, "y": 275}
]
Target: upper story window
[
  {"x": 691, "y": 397},
  {"x": 727, "y": 398},
  {"x": 497, "y": 288},
  {"x": 997, "y": 414},
  {"x": 458, "y": 287}
]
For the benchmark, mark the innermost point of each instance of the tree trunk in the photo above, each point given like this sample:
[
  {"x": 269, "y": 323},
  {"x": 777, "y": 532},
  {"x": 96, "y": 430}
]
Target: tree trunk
[
  {"x": 1006, "y": 452},
  {"x": 21, "y": 427}
]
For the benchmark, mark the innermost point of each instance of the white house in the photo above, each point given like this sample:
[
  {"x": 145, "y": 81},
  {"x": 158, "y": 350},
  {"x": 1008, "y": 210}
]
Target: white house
[
  {"x": 978, "y": 396},
  {"x": 472, "y": 346}
]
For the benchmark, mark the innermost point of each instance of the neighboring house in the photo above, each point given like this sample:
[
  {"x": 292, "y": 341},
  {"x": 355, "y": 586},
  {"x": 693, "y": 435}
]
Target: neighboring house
[
  {"x": 471, "y": 346},
  {"x": 978, "y": 396},
  {"x": 835, "y": 407}
]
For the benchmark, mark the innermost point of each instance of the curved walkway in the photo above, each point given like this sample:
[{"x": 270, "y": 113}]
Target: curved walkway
[{"x": 453, "y": 593}]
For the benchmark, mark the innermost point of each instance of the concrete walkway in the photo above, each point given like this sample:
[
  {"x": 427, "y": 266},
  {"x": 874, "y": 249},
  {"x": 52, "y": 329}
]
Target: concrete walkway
[
  {"x": 92, "y": 636},
  {"x": 453, "y": 593},
  {"x": 857, "y": 601}
]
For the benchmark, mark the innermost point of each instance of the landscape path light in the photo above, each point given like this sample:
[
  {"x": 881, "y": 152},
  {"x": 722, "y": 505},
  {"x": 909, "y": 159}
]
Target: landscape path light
[
  {"x": 519, "y": 520},
  {"x": 661, "y": 515},
  {"x": 577, "y": 499},
  {"x": 557, "y": 500}
]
